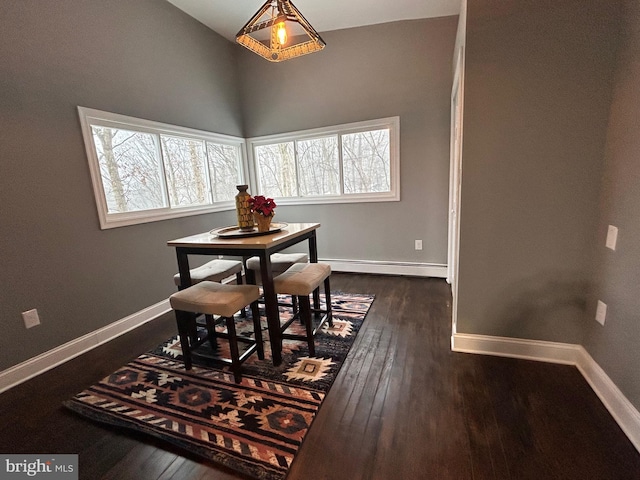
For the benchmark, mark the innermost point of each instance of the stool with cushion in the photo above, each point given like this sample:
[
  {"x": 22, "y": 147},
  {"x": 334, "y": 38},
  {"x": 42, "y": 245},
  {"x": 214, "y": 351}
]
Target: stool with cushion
[
  {"x": 214, "y": 271},
  {"x": 299, "y": 281},
  {"x": 280, "y": 262},
  {"x": 213, "y": 298}
]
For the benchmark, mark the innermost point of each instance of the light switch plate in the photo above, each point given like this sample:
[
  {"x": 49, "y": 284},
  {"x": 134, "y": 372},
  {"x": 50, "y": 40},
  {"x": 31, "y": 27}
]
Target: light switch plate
[
  {"x": 31, "y": 318},
  {"x": 612, "y": 237},
  {"x": 601, "y": 312}
]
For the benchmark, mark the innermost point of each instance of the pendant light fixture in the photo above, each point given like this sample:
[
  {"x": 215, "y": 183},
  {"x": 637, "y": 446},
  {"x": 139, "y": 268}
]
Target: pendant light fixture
[{"x": 278, "y": 32}]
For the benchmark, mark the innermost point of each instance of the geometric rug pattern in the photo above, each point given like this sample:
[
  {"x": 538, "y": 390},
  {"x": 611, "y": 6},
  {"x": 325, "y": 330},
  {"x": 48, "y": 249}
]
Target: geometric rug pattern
[{"x": 255, "y": 427}]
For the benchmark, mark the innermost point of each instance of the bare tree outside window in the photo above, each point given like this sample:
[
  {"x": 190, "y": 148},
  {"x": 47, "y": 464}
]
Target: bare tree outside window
[
  {"x": 184, "y": 163},
  {"x": 130, "y": 169},
  {"x": 224, "y": 170},
  {"x": 277, "y": 167},
  {"x": 132, "y": 173},
  {"x": 318, "y": 166},
  {"x": 366, "y": 162},
  {"x": 353, "y": 161}
]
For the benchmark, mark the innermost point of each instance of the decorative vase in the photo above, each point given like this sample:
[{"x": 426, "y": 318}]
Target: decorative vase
[
  {"x": 243, "y": 209},
  {"x": 263, "y": 222}
]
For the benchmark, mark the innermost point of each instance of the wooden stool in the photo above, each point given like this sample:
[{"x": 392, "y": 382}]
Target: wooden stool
[
  {"x": 299, "y": 281},
  {"x": 214, "y": 271},
  {"x": 280, "y": 262},
  {"x": 213, "y": 298}
]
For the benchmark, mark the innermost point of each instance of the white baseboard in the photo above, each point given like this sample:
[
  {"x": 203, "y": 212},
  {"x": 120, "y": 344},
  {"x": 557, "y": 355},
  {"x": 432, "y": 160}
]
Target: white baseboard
[
  {"x": 552, "y": 352},
  {"x": 48, "y": 360},
  {"x": 620, "y": 408},
  {"x": 387, "y": 268}
]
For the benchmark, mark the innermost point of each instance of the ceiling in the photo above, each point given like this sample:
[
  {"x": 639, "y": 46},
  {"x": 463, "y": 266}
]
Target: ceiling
[{"x": 227, "y": 17}]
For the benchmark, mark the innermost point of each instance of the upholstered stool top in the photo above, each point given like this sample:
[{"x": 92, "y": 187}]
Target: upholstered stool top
[
  {"x": 214, "y": 298},
  {"x": 213, "y": 271},
  {"x": 279, "y": 261},
  {"x": 301, "y": 278}
]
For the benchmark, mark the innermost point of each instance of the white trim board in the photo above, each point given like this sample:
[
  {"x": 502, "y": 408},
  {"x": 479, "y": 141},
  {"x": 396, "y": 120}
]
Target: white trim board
[
  {"x": 46, "y": 361},
  {"x": 620, "y": 408},
  {"x": 388, "y": 268}
]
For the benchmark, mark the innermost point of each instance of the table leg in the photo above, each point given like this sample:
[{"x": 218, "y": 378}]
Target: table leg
[
  {"x": 249, "y": 275},
  {"x": 313, "y": 258},
  {"x": 185, "y": 282},
  {"x": 271, "y": 308},
  {"x": 183, "y": 269}
]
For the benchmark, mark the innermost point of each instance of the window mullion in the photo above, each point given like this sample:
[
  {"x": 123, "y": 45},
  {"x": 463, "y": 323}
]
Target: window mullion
[
  {"x": 340, "y": 164},
  {"x": 295, "y": 159},
  {"x": 207, "y": 173},
  {"x": 163, "y": 172}
]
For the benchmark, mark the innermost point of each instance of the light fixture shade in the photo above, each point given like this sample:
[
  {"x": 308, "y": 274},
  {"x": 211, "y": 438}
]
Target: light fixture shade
[{"x": 263, "y": 33}]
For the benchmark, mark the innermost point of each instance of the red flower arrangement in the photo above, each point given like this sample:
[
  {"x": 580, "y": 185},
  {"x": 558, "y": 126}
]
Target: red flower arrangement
[{"x": 263, "y": 206}]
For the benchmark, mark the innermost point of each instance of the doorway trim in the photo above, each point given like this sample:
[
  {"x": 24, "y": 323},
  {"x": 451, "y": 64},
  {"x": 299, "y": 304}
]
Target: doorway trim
[{"x": 455, "y": 183}]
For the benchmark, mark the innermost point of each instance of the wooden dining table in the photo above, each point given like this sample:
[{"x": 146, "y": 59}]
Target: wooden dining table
[{"x": 245, "y": 246}]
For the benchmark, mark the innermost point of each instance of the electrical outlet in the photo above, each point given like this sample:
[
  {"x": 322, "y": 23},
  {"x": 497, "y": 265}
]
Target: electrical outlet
[
  {"x": 418, "y": 244},
  {"x": 601, "y": 312},
  {"x": 612, "y": 237},
  {"x": 31, "y": 318}
]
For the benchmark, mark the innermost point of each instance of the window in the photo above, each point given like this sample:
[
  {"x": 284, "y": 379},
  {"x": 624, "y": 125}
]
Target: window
[
  {"x": 144, "y": 171},
  {"x": 357, "y": 162}
]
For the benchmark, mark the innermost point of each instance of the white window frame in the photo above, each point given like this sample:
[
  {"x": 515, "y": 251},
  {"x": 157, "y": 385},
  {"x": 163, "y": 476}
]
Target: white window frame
[
  {"x": 90, "y": 117},
  {"x": 391, "y": 123}
]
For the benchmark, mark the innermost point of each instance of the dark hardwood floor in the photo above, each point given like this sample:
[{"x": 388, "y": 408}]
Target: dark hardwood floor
[{"x": 403, "y": 407}]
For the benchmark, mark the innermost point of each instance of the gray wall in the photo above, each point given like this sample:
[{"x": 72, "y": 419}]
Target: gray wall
[
  {"x": 400, "y": 68},
  {"x": 143, "y": 58},
  {"x": 150, "y": 60},
  {"x": 617, "y": 276},
  {"x": 538, "y": 86}
]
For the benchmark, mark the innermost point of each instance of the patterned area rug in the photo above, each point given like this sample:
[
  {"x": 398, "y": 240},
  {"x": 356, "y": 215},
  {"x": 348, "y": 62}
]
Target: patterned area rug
[{"x": 255, "y": 427}]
